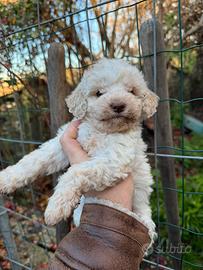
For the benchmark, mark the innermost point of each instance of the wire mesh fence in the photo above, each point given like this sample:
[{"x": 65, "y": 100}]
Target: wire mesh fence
[{"x": 90, "y": 30}]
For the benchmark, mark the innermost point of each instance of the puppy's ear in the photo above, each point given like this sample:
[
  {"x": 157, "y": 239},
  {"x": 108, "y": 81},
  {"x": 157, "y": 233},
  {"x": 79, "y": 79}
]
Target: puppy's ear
[
  {"x": 77, "y": 102},
  {"x": 150, "y": 103}
]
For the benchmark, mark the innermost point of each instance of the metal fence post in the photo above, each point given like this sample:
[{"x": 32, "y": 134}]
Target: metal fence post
[{"x": 7, "y": 235}]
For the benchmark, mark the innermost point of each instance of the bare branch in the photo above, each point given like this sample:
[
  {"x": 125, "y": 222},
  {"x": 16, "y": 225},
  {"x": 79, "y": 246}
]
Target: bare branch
[
  {"x": 102, "y": 27},
  {"x": 113, "y": 35},
  {"x": 194, "y": 28},
  {"x": 27, "y": 87}
]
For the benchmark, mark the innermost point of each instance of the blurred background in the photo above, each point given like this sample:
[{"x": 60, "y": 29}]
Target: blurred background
[{"x": 165, "y": 35}]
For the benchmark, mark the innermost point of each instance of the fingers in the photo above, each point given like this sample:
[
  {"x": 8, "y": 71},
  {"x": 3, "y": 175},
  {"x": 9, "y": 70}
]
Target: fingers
[
  {"x": 69, "y": 137},
  {"x": 71, "y": 146},
  {"x": 72, "y": 131}
]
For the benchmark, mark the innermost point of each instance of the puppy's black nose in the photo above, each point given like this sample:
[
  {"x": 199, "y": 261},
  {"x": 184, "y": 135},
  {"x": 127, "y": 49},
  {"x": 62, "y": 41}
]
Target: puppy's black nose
[{"x": 118, "y": 108}]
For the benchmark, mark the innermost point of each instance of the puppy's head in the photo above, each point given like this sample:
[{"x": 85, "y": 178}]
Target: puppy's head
[{"x": 113, "y": 96}]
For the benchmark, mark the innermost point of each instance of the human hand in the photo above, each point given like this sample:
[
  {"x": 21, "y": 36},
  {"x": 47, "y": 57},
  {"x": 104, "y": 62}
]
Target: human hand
[{"x": 71, "y": 146}]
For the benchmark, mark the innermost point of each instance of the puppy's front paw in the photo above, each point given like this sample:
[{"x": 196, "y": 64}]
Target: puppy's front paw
[
  {"x": 57, "y": 209},
  {"x": 53, "y": 215},
  {"x": 7, "y": 182}
]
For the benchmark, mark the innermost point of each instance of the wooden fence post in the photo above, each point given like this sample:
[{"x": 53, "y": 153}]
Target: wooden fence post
[
  {"x": 58, "y": 89},
  {"x": 164, "y": 130}
]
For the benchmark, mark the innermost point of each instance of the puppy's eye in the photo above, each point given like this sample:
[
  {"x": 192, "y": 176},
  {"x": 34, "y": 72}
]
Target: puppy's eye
[
  {"x": 132, "y": 91},
  {"x": 99, "y": 93}
]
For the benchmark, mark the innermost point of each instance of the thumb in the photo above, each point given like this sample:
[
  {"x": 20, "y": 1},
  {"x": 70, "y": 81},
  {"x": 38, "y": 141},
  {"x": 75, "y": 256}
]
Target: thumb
[{"x": 72, "y": 130}]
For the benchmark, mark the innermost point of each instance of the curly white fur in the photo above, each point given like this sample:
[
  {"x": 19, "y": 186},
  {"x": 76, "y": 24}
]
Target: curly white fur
[{"x": 112, "y": 99}]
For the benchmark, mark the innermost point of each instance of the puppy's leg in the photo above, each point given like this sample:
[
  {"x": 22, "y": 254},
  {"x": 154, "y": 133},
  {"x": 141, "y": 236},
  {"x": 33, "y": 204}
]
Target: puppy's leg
[
  {"x": 47, "y": 159},
  {"x": 80, "y": 178}
]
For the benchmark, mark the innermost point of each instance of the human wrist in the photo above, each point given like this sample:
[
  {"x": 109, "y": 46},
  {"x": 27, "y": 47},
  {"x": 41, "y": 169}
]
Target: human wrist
[{"x": 121, "y": 193}]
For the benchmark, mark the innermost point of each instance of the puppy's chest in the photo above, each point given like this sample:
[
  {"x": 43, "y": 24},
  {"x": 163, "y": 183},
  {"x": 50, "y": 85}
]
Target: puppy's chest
[
  {"x": 94, "y": 142},
  {"x": 89, "y": 139}
]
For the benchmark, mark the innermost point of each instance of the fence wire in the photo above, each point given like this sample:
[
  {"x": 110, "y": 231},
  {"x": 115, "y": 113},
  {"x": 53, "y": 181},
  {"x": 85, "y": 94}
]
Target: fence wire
[{"x": 88, "y": 30}]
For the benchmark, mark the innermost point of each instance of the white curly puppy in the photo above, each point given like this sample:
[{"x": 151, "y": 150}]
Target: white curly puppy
[{"x": 112, "y": 99}]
